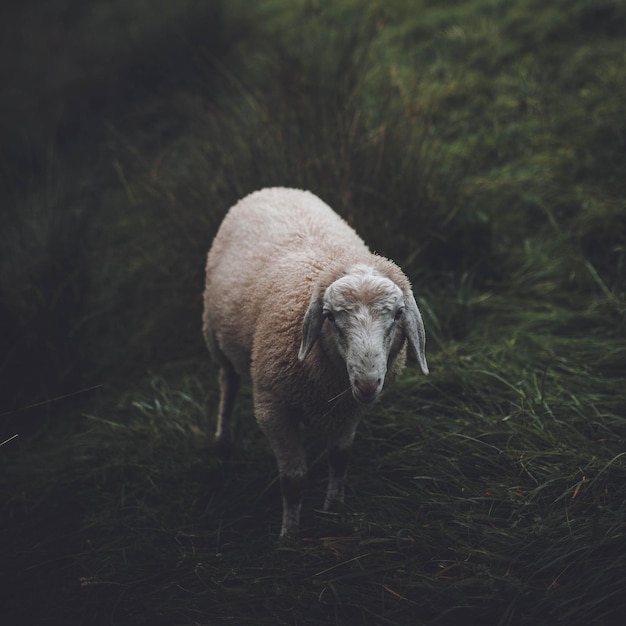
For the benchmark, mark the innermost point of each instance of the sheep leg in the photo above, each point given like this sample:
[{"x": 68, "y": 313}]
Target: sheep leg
[
  {"x": 229, "y": 385},
  {"x": 292, "y": 487},
  {"x": 339, "y": 446},
  {"x": 284, "y": 437},
  {"x": 292, "y": 470}
]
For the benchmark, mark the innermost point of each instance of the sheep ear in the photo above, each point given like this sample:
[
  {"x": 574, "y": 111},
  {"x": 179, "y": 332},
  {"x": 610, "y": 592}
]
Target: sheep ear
[
  {"x": 413, "y": 327},
  {"x": 311, "y": 327}
]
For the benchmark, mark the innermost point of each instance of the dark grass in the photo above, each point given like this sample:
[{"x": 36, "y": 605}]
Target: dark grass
[{"x": 480, "y": 144}]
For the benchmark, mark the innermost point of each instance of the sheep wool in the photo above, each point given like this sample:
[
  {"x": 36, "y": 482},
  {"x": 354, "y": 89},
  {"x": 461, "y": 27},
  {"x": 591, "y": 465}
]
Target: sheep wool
[{"x": 296, "y": 303}]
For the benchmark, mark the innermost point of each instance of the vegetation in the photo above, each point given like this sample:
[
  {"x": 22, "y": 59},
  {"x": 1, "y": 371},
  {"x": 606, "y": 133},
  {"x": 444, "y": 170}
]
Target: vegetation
[{"x": 480, "y": 144}]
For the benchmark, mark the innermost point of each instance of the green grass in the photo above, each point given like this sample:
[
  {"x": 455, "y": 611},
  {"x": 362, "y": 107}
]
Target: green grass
[{"x": 480, "y": 144}]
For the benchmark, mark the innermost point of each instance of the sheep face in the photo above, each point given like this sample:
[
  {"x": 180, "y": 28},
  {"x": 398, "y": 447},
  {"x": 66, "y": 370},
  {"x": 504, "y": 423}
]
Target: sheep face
[{"x": 363, "y": 311}]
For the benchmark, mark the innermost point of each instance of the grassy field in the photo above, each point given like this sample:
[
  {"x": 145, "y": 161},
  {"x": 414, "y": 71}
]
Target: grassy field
[{"x": 480, "y": 144}]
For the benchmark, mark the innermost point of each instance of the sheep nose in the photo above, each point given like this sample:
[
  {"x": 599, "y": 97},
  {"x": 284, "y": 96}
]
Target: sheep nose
[
  {"x": 367, "y": 388},
  {"x": 367, "y": 391}
]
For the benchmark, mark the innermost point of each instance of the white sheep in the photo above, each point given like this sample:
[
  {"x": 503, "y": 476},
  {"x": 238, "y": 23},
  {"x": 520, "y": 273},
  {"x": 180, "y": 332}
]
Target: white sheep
[{"x": 295, "y": 301}]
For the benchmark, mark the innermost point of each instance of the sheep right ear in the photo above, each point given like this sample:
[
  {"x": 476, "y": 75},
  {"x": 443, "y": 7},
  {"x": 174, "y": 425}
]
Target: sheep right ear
[{"x": 311, "y": 327}]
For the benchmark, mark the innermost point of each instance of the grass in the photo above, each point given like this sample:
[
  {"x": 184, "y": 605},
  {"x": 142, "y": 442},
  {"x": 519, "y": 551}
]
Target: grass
[{"x": 480, "y": 144}]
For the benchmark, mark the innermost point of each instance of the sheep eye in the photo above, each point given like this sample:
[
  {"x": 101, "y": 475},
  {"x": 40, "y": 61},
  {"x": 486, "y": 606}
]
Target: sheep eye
[
  {"x": 398, "y": 314},
  {"x": 329, "y": 316}
]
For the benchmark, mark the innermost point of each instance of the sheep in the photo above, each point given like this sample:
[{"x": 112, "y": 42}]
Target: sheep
[{"x": 295, "y": 302}]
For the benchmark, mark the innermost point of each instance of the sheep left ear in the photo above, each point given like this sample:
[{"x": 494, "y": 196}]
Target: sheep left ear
[
  {"x": 413, "y": 327},
  {"x": 312, "y": 326}
]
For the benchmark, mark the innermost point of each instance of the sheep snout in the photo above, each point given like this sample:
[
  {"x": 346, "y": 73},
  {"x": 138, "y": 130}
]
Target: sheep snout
[{"x": 366, "y": 391}]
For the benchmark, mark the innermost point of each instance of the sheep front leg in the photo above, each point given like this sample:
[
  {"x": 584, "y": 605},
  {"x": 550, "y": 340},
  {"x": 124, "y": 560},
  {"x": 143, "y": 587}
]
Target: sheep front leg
[
  {"x": 284, "y": 437},
  {"x": 339, "y": 445},
  {"x": 229, "y": 385},
  {"x": 292, "y": 486}
]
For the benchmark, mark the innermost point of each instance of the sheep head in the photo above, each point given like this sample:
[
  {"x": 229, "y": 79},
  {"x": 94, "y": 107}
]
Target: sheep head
[{"x": 369, "y": 317}]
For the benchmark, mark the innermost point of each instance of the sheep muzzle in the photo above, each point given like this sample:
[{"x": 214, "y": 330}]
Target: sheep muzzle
[{"x": 366, "y": 390}]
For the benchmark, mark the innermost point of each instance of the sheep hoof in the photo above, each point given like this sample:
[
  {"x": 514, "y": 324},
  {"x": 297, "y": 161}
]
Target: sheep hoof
[
  {"x": 288, "y": 540},
  {"x": 334, "y": 508},
  {"x": 334, "y": 505}
]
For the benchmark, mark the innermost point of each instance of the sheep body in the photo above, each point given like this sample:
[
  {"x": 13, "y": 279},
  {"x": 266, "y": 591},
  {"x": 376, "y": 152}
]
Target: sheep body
[{"x": 280, "y": 259}]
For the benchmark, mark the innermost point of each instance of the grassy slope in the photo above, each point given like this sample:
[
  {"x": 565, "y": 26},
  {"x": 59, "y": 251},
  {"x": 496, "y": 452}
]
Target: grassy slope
[{"x": 480, "y": 144}]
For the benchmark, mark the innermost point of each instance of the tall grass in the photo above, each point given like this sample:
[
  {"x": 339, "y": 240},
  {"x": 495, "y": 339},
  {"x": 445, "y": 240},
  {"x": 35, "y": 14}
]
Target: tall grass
[{"x": 479, "y": 144}]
